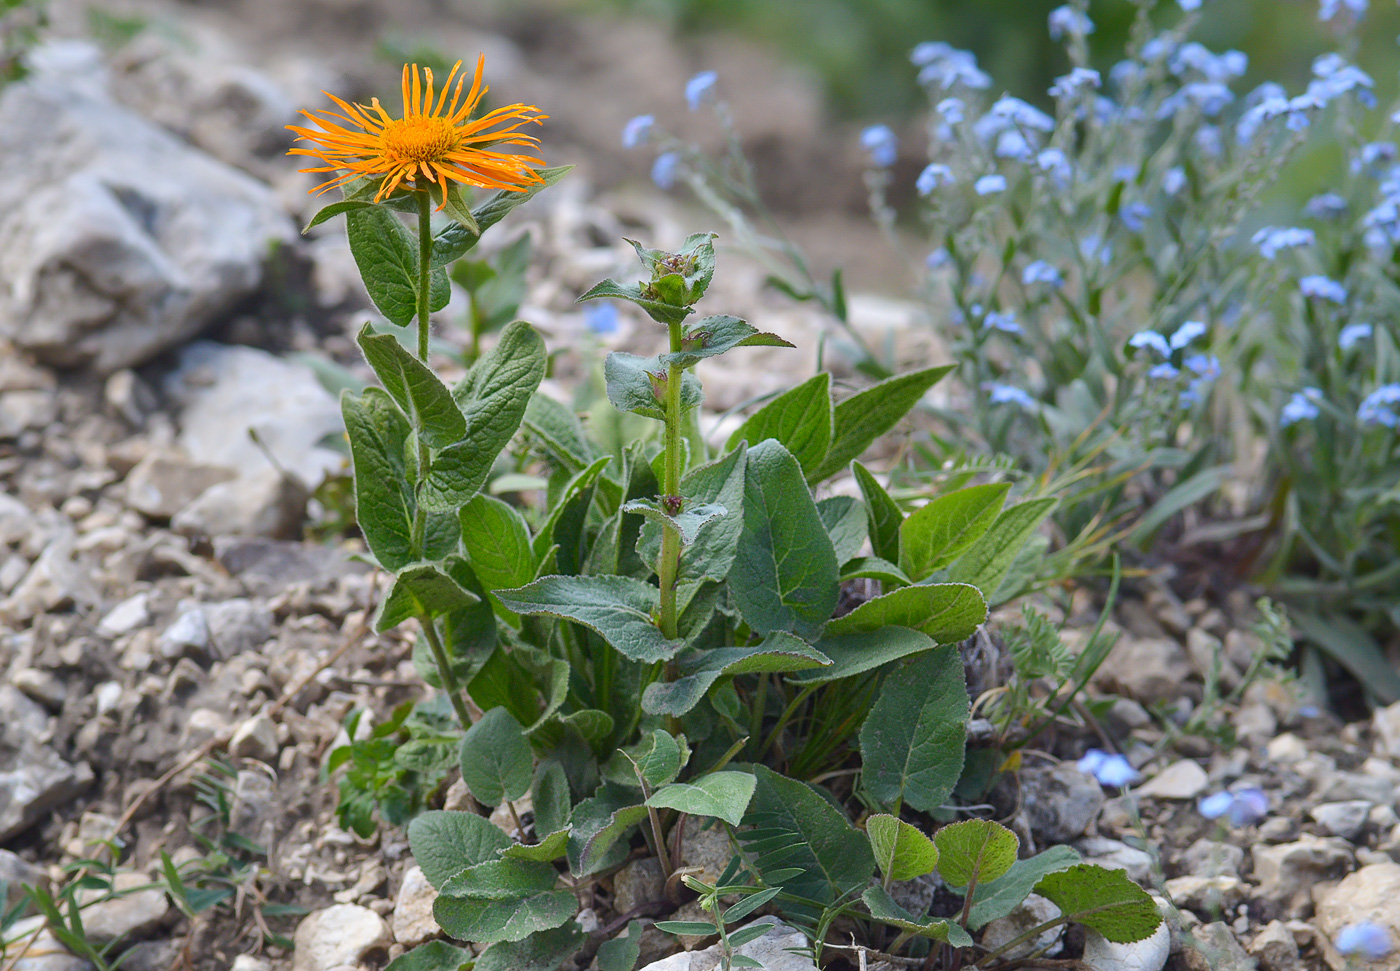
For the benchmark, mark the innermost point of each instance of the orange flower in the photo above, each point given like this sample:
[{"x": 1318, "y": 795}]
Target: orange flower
[{"x": 432, "y": 143}]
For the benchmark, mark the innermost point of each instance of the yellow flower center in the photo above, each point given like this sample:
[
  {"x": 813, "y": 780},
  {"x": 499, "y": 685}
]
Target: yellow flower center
[{"x": 421, "y": 138}]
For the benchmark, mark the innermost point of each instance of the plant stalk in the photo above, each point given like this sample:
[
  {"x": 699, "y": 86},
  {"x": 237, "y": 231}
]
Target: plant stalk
[
  {"x": 425, "y": 270},
  {"x": 444, "y": 666},
  {"x": 669, "y": 568}
]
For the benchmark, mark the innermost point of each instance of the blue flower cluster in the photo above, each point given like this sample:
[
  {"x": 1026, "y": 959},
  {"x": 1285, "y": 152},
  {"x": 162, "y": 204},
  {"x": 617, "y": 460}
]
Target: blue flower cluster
[
  {"x": 1366, "y": 939},
  {"x": 1109, "y": 769},
  {"x": 1243, "y": 807}
]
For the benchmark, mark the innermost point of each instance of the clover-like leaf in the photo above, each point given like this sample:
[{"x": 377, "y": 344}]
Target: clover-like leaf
[
  {"x": 901, "y": 851},
  {"x": 974, "y": 852},
  {"x": 1104, "y": 900},
  {"x": 497, "y": 764}
]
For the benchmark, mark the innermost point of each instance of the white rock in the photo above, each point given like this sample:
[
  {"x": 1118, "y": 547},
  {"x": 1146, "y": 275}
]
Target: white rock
[
  {"x": 1149, "y": 955},
  {"x": 238, "y": 625},
  {"x": 1115, "y": 855},
  {"x": 1385, "y": 722},
  {"x": 1147, "y": 669},
  {"x": 770, "y": 950},
  {"x": 247, "y": 962},
  {"x": 1275, "y": 948},
  {"x": 189, "y": 633},
  {"x": 1207, "y": 895},
  {"x": 343, "y": 934},
  {"x": 163, "y": 483},
  {"x": 1031, "y": 912},
  {"x": 54, "y": 580},
  {"x": 42, "y": 686},
  {"x": 262, "y": 502},
  {"x": 107, "y": 695},
  {"x": 226, "y": 390},
  {"x": 639, "y": 882},
  {"x": 256, "y": 738},
  {"x": 135, "y": 913},
  {"x": 125, "y": 617},
  {"x": 1286, "y": 872},
  {"x": 33, "y": 778},
  {"x": 45, "y": 952},
  {"x": 1345, "y": 819},
  {"x": 1180, "y": 780},
  {"x": 14, "y": 871},
  {"x": 1368, "y": 895},
  {"x": 1060, "y": 801},
  {"x": 412, "y": 919},
  {"x": 1287, "y": 748}
]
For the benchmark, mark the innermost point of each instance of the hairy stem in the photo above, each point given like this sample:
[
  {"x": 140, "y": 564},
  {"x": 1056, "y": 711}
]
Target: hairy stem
[
  {"x": 444, "y": 666},
  {"x": 425, "y": 269},
  {"x": 670, "y": 565}
]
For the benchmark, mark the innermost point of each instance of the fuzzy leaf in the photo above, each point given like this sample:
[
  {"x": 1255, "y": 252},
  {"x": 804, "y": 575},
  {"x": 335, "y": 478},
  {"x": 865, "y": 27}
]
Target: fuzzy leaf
[
  {"x": 913, "y": 740},
  {"x": 901, "y": 851},
  {"x": 501, "y": 879},
  {"x": 558, "y": 427},
  {"x": 938, "y": 533},
  {"x": 497, "y": 764},
  {"x": 884, "y": 909},
  {"x": 724, "y": 795},
  {"x": 884, "y": 514},
  {"x": 432, "y": 956},
  {"x": 712, "y": 336},
  {"x": 384, "y": 502},
  {"x": 989, "y": 559},
  {"x": 547, "y": 850},
  {"x": 687, "y": 522},
  {"x": 490, "y": 921},
  {"x": 446, "y": 843},
  {"x": 658, "y": 757},
  {"x": 873, "y": 568},
  {"x": 633, "y": 385},
  {"x": 643, "y": 296},
  {"x": 413, "y": 385},
  {"x": 551, "y": 797},
  {"x": 862, "y": 418},
  {"x": 854, "y": 654},
  {"x": 784, "y": 575},
  {"x": 974, "y": 852},
  {"x": 619, "y": 609},
  {"x": 800, "y": 419},
  {"x": 794, "y": 827},
  {"x": 599, "y": 823},
  {"x": 1104, "y": 900},
  {"x": 386, "y": 255},
  {"x": 779, "y": 653},
  {"x": 333, "y": 210},
  {"x": 712, "y": 554},
  {"x": 424, "y": 590},
  {"x": 845, "y": 521},
  {"x": 497, "y": 542},
  {"x": 622, "y": 952},
  {"x": 994, "y": 900},
  {"x": 946, "y": 612},
  {"x": 541, "y": 951}
]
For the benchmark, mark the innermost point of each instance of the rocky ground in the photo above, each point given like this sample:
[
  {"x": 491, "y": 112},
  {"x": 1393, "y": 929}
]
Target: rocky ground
[{"x": 183, "y": 628}]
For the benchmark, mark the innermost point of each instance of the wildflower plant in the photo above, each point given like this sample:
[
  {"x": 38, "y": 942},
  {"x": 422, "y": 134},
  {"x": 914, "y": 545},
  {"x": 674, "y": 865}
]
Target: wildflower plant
[{"x": 657, "y": 636}]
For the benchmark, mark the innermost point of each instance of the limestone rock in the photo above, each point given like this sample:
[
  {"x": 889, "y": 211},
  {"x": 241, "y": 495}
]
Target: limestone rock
[
  {"x": 162, "y": 484},
  {"x": 256, "y": 738},
  {"x": 1180, "y": 780},
  {"x": 134, "y": 913},
  {"x": 1214, "y": 948},
  {"x": 1060, "y": 801},
  {"x": 1147, "y": 669},
  {"x": 15, "y": 871},
  {"x": 338, "y": 935},
  {"x": 1275, "y": 948},
  {"x": 1287, "y": 872},
  {"x": 1345, "y": 819},
  {"x": 238, "y": 625},
  {"x": 125, "y": 617},
  {"x": 45, "y": 952},
  {"x": 770, "y": 950},
  {"x": 1368, "y": 895},
  {"x": 1207, "y": 895},
  {"x": 1115, "y": 855},
  {"x": 1031, "y": 912},
  {"x": 706, "y": 845},
  {"x": 33, "y": 778},
  {"x": 412, "y": 920},
  {"x": 1210, "y": 858},
  {"x": 1149, "y": 955},
  {"x": 1385, "y": 722},
  {"x": 117, "y": 239},
  {"x": 639, "y": 882},
  {"x": 263, "y": 502}
]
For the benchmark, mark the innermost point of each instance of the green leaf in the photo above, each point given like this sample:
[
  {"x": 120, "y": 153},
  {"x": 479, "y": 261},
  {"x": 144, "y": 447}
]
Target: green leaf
[
  {"x": 687, "y": 522},
  {"x": 413, "y": 385},
  {"x": 622, "y": 952},
  {"x": 748, "y": 905},
  {"x": 689, "y": 928},
  {"x": 884, "y": 514},
  {"x": 1104, "y": 900},
  {"x": 497, "y": 542},
  {"x": 874, "y": 568},
  {"x": 913, "y": 741},
  {"x": 455, "y": 205},
  {"x": 551, "y": 798},
  {"x": 618, "y": 609},
  {"x": 432, "y": 956},
  {"x": 658, "y": 758},
  {"x": 800, "y": 419},
  {"x": 424, "y": 590},
  {"x": 784, "y": 575},
  {"x": 946, "y": 612},
  {"x": 988, "y": 561},
  {"x": 333, "y": 210},
  {"x": 556, "y": 425},
  {"x": 446, "y": 843},
  {"x": 779, "y": 653},
  {"x": 541, "y": 951},
  {"x": 637, "y": 384},
  {"x": 862, "y": 418},
  {"x": 456, "y": 240},
  {"x": 974, "y": 852},
  {"x": 685, "y": 273},
  {"x": 492, "y": 398},
  {"x": 939, "y": 532},
  {"x": 1204, "y": 483},
  {"x": 853, "y": 654},
  {"x": 793, "y": 826},
  {"x": 387, "y": 256},
  {"x": 994, "y": 900},
  {"x": 712, "y": 336},
  {"x": 497, "y": 763},
  {"x": 491, "y": 921},
  {"x": 384, "y": 503},
  {"x": 724, "y": 795},
  {"x": 711, "y": 556},
  {"x": 901, "y": 851},
  {"x": 845, "y": 521},
  {"x": 501, "y": 879},
  {"x": 547, "y": 850},
  {"x": 643, "y": 296},
  {"x": 1351, "y": 646},
  {"x": 576, "y": 492},
  {"x": 883, "y": 908},
  {"x": 599, "y": 823}
]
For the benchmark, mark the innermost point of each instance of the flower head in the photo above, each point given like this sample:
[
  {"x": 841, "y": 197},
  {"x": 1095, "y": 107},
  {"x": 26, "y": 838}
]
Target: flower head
[
  {"x": 1174, "y": 180},
  {"x": 1245, "y": 807},
  {"x": 1328, "y": 8},
  {"x": 882, "y": 144},
  {"x": 637, "y": 130},
  {"x": 1329, "y": 205},
  {"x": 663, "y": 170},
  {"x": 1079, "y": 79},
  {"x": 934, "y": 175},
  {"x": 1352, "y": 334},
  {"x": 990, "y": 185},
  {"x": 937, "y": 259},
  {"x": 700, "y": 89},
  {"x": 1381, "y": 407},
  {"x": 1067, "y": 20},
  {"x": 600, "y": 317},
  {"x": 1005, "y": 394},
  {"x": 434, "y": 143},
  {"x": 1041, "y": 272},
  {"x": 1002, "y": 321},
  {"x": 1366, "y": 938},
  {"x": 1301, "y": 407},
  {"x": 1323, "y": 288},
  {"x": 1271, "y": 239},
  {"x": 1110, "y": 770}
]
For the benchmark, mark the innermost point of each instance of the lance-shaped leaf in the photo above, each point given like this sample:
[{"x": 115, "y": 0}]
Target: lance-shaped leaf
[
  {"x": 413, "y": 385},
  {"x": 800, "y": 419},
  {"x": 946, "y": 612},
  {"x": 619, "y": 609},
  {"x": 638, "y": 384},
  {"x": 557, "y": 426},
  {"x": 994, "y": 900},
  {"x": 1104, "y": 900},
  {"x": 913, "y": 741},
  {"x": 988, "y": 560},
  {"x": 853, "y": 654},
  {"x": 333, "y": 210},
  {"x": 644, "y": 296},
  {"x": 423, "y": 591},
  {"x": 711, "y": 336},
  {"x": 456, "y": 240},
  {"x": 446, "y": 843},
  {"x": 901, "y": 851},
  {"x": 497, "y": 542},
  {"x": 432, "y": 956},
  {"x": 489, "y": 921},
  {"x": 779, "y": 653},
  {"x": 687, "y": 521},
  {"x": 455, "y": 204},
  {"x": 974, "y": 852},
  {"x": 624, "y": 951},
  {"x": 492, "y": 398},
  {"x": 845, "y": 521},
  {"x": 384, "y": 502},
  {"x": 873, "y": 568},
  {"x": 387, "y": 256},
  {"x": 723, "y": 795},
  {"x": 862, "y": 418},
  {"x": 567, "y": 513},
  {"x": 784, "y": 575},
  {"x": 497, "y": 764},
  {"x": 599, "y": 823},
  {"x": 885, "y": 516},
  {"x": 710, "y": 557},
  {"x": 551, "y": 797},
  {"x": 541, "y": 951},
  {"x": 883, "y": 908},
  {"x": 939, "y": 532}
]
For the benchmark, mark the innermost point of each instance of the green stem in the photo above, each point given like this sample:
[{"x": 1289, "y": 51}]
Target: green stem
[
  {"x": 425, "y": 269},
  {"x": 670, "y": 565},
  {"x": 444, "y": 666}
]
